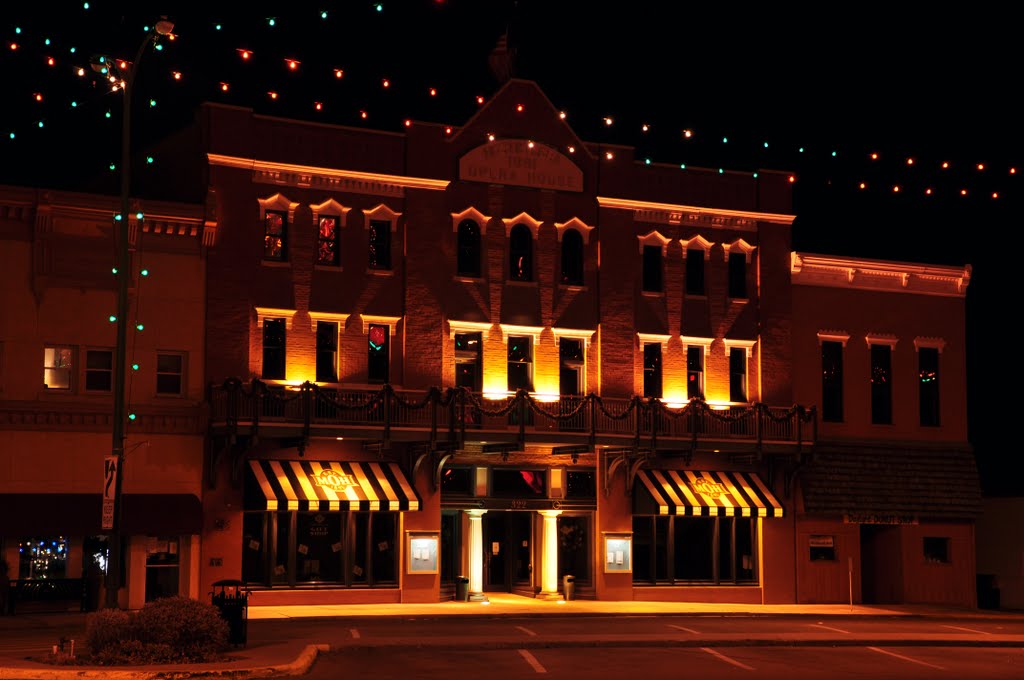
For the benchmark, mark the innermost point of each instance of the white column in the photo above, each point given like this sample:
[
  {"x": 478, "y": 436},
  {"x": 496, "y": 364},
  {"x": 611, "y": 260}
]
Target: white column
[
  {"x": 549, "y": 560},
  {"x": 476, "y": 555}
]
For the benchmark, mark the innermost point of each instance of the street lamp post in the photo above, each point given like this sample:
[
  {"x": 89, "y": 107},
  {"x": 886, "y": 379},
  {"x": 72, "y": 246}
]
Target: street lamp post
[{"x": 124, "y": 274}]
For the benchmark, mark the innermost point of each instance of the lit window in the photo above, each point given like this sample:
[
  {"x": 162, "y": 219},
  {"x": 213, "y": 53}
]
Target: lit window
[
  {"x": 275, "y": 227},
  {"x": 468, "y": 364},
  {"x": 328, "y": 250},
  {"x": 380, "y": 244},
  {"x": 378, "y": 348},
  {"x": 520, "y": 363},
  {"x": 99, "y": 369},
  {"x": 57, "y": 365},
  {"x": 928, "y": 385},
  {"x": 170, "y": 371},
  {"x": 571, "y": 377},
  {"x": 695, "y": 372}
]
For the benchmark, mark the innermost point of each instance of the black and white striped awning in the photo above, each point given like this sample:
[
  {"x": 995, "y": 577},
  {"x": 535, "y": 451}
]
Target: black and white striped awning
[
  {"x": 323, "y": 486},
  {"x": 709, "y": 493}
]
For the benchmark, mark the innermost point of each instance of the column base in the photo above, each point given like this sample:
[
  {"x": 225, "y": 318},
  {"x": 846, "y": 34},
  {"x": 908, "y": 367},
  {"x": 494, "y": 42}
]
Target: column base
[
  {"x": 552, "y": 596},
  {"x": 478, "y": 597}
]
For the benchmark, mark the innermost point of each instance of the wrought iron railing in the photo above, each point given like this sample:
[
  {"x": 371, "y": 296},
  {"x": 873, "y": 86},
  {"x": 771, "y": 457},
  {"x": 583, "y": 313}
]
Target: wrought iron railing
[{"x": 450, "y": 413}]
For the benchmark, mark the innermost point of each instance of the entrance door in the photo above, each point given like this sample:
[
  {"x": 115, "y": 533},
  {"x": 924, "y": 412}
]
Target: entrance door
[
  {"x": 507, "y": 550},
  {"x": 881, "y": 569}
]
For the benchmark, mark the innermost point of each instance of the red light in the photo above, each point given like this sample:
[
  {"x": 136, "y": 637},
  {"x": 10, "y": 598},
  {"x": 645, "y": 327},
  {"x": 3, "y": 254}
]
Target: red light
[
  {"x": 14, "y": 46},
  {"x": 339, "y": 74},
  {"x": 122, "y": 64},
  {"x": 945, "y": 165},
  {"x": 245, "y": 54},
  {"x": 273, "y": 95},
  {"x": 362, "y": 114},
  {"x": 408, "y": 123},
  {"x": 862, "y": 185},
  {"x": 386, "y": 83},
  {"x": 910, "y": 161},
  {"x": 995, "y": 194},
  {"x": 792, "y": 179},
  {"x": 447, "y": 130},
  {"x": 963, "y": 192},
  {"x": 319, "y": 106},
  {"x": 519, "y": 108},
  {"x": 479, "y": 99},
  {"x": 177, "y": 75},
  {"x": 928, "y": 192},
  {"x": 50, "y": 61},
  {"x": 38, "y": 97},
  {"x": 224, "y": 87},
  {"x": 896, "y": 189},
  {"x": 1013, "y": 171},
  {"x": 433, "y": 92},
  {"x": 292, "y": 64},
  {"x": 981, "y": 166},
  {"x": 874, "y": 156}
]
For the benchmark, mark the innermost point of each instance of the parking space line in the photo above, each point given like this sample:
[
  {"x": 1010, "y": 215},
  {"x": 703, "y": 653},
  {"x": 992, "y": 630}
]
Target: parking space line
[
  {"x": 683, "y": 628},
  {"x": 527, "y": 631},
  {"x": 354, "y": 633},
  {"x": 726, "y": 659},
  {"x": 822, "y": 625},
  {"x": 969, "y": 630},
  {"x": 906, "y": 658},
  {"x": 532, "y": 660}
]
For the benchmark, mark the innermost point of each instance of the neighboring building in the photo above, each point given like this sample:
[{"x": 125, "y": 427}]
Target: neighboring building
[
  {"x": 892, "y": 493},
  {"x": 1001, "y": 553},
  {"x": 57, "y": 373}
]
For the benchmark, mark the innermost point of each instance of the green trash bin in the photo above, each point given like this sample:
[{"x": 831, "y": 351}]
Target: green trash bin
[
  {"x": 569, "y": 587},
  {"x": 461, "y": 589}
]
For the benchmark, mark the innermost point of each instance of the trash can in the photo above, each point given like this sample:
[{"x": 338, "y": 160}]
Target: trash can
[
  {"x": 569, "y": 587},
  {"x": 461, "y": 589},
  {"x": 233, "y": 603}
]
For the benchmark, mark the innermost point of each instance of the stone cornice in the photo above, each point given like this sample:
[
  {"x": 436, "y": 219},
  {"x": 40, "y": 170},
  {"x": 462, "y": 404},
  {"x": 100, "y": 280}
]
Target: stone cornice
[
  {"x": 879, "y": 275},
  {"x": 184, "y": 418},
  {"x": 693, "y": 216},
  {"x": 335, "y": 179}
]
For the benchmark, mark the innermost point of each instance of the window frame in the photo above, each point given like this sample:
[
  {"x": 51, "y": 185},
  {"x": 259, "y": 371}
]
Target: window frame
[
  {"x": 653, "y": 376},
  {"x": 743, "y": 389},
  {"x": 283, "y": 236},
  {"x": 696, "y": 272},
  {"x": 575, "y": 273},
  {"x": 372, "y": 380},
  {"x": 182, "y": 389},
  {"x": 71, "y": 349},
  {"x": 520, "y": 242},
  {"x": 86, "y": 370},
  {"x": 468, "y": 251},
  {"x": 283, "y": 348},
  {"x": 335, "y": 240},
  {"x": 652, "y": 278},
  {"x": 335, "y": 353},
  {"x": 881, "y": 403},
  {"x": 929, "y": 392},
  {"x": 839, "y": 401},
  {"x": 528, "y": 363}
]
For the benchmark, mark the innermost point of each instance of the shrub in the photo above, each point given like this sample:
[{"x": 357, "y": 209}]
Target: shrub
[{"x": 169, "y": 630}]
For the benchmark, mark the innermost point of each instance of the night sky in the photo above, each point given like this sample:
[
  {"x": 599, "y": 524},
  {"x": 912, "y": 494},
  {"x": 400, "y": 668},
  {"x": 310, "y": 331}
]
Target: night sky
[{"x": 853, "y": 79}]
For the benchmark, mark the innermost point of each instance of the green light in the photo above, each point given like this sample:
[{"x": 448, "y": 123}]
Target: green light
[
  {"x": 323, "y": 15},
  {"x": 766, "y": 145},
  {"x": 72, "y": 50},
  {"x": 107, "y": 114},
  {"x": 216, "y": 27},
  {"x": 117, "y": 217},
  {"x": 725, "y": 140},
  {"x": 755, "y": 175},
  {"x": 113, "y": 270},
  {"x": 834, "y": 154},
  {"x": 801, "y": 149},
  {"x": 40, "y": 123},
  {"x": 112, "y": 166},
  {"x": 149, "y": 159},
  {"x": 12, "y": 135},
  {"x": 103, "y": 70},
  {"x": 145, "y": 272},
  {"x": 682, "y": 166},
  {"x": 74, "y": 105},
  {"x": 85, "y": 5},
  {"x": 103, "y": 60},
  {"x": 647, "y": 161},
  {"x": 271, "y": 21},
  {"x": 135, "y": 367},
  {"x": 721, "y": 171},
  {"x": 17, "y": 30},
  {"x": 159, "y": 47},
  {"x": 46, "y": 42},
  {"x": 145, "y": 29},
  {"x": 380, "y": 7},
  {"x": 131, "y": 416},
  {"x": 139, "y": 326},
  {"x": 152, "y": 103},
  {"x": 111, "y": 318},
  {"x": 138, "y": 216}
]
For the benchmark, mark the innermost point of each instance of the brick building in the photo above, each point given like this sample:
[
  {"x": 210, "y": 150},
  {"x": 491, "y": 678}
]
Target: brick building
[{"x": 57, "y": 373}]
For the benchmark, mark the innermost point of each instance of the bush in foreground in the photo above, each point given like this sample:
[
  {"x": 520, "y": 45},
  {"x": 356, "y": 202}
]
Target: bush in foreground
[{"x": 169, "y": 630}]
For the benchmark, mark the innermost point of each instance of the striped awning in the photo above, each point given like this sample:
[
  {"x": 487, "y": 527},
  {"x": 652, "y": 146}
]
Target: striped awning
[
  {"x": 322, "y": 486},
  {"x": 709, "y": 494}
]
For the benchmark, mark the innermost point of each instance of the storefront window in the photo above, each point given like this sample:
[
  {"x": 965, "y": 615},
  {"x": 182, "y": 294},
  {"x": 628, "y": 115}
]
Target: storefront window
[
  {"x": 580, "y": 484},
  {"x": 457, "y": 481},
  {"x": 283, "y": 527},
  {"x": 574, "y": 546},
  {"x": 518, "y": 483},
  {"x": 383, "y": 548},
  {"x": 254, "y": 540},
  {"x": 43, "y": 558},
  {"x": 318, "y": 547},
  {"x": 687, "y": 550},
  {"x": 162, "y": 573}
]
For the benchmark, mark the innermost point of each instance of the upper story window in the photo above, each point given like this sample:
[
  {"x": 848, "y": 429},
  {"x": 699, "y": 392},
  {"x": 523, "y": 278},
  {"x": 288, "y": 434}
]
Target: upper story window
[
  {"x": 832, "y": 381},
  {"x": 520, "y": 251},
  {"x": 737, "y": 275},
  {"x": 170, "y": 373},
  {"x": 328, "y": 248},
  {"x": 378, "y": 348},
  {"x": 695, "y": 371},
  {"x": 571, "y": 366},
  {"x": 881, "y": 384},
  {"x": 468, "y": 361},
  {"x": 58, "y": 363},
  {"x": 652, "y": 370},
  {"x": 572, "y": 258},
  {"x": 380, "y": 244},
  {"x": 652, "y": 265},
  {"x": 99, "y": 370},
  {"x": 274, "y": 349},
  {"x": 326, "y": 351},
  {"x": 695, "y": 271},
  {"x": 737, "y": 374},
  {"x": 928, "y": 385},
  {"x": 520, "y": 363},
  {"x": 468, "y": 255},
  {"x": 275, "y": 235}
]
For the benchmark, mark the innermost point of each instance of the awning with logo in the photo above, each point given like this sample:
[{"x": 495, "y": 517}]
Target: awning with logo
[
  {"x": 709, "y": 493},
  {"x": 322, "y": 486}
]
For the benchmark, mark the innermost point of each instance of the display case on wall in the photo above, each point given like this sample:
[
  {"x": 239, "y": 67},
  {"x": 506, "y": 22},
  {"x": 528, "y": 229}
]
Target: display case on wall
[
  {"x": 618, "y": 552},
  {"x": 421, "y": 550}
]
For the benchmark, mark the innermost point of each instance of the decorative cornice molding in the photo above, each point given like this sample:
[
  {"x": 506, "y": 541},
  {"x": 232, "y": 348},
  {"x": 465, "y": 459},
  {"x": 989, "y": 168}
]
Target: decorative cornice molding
[
  {"x": 522, "y": 218},
  {"x": 482, "y": 327},
  {"x": 828, "y": 335},
  {"x": 577, "y": 224},
  {"x": 653, "y": 238},
  {"x": 335, "y": 179},
  {"x": 653, "y": 339},
  {"x": 935, "y": 343},
  {"x": 75, "y": 416},
  {"x": 879, "y": 275},
  {"x": 473, "y": 214},
  {"x": 696, "y": 242},
  {"x": 740, "y": 246},
  {"x": 274, "y": 313},
  {"x": 584, "y": 334},
  {"x": 688, "y": 215},
  {"x": 512, "y": 329}
]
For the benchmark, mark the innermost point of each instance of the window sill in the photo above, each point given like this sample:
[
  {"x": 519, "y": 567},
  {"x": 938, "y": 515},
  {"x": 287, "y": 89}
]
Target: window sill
[
  {"x": 468, "y": 279},
  {"x": 572, "y": 287},
  {"x": 276, "y": 263},
  {"x": 380, "y": 272},
  {"x": 652, "y": 293},
  {"x": 521, "y": 284},
  {"x": 328, "y": 267},
  {"x": 739, "y": 300}
]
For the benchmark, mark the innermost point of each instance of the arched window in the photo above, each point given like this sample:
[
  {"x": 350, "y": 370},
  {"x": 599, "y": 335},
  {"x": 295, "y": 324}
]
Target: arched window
[
  {"x": 572, "y": 258},
  {"x": 520, "y": 250},
  {"x": 469, "y": 249}
]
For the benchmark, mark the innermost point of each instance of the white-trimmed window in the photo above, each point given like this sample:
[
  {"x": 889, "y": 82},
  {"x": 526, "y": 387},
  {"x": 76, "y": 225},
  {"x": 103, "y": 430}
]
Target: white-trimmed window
[
  {"x": 99, "y": 370},
  {"x": 329, "y": 218},
  {"x": 698, "y": 251},
  {"x": 737, "y": 257},
  {"x": 381, "y": 223},
  {"x": 170, "y": 373},
  {"x": 276, "y": 213},
  {"x": 696, "y": 351},
  {"x": 929, "y": 352},
  {"x": 58, "y": 364},
  {"x": 379, "y": 330},
  {"x": 881, "y": 350},
  {"x": 739, "y": 360},
  {"x": 832, "y": 345},
  {"x": 653, "y": 247},
  {"x": 520, "y": 363}
]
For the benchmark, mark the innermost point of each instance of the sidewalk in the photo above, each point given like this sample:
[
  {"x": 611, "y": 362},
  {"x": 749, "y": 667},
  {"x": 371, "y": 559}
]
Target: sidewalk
[{"x": 274, "y": 650}]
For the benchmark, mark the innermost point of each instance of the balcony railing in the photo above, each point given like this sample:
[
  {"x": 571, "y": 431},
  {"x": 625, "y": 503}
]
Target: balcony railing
[{"x": 451, "y": 413}]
